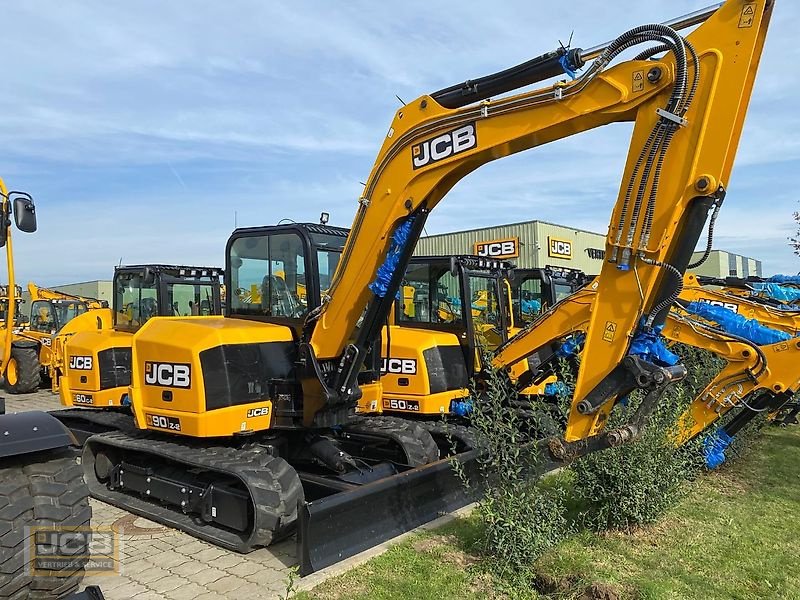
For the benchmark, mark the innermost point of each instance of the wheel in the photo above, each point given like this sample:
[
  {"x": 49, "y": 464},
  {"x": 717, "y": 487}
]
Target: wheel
[
  {"x": 24, "y": 373},
  {"x": 40, "y": 490}
]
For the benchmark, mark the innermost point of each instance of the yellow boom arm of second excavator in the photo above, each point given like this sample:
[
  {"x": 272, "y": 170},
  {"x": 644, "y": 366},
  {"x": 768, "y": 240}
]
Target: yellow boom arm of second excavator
[
  {"x": 687, "y": 107},
  {"x": 750, "y": 370},
  {"x": 40, "y": 293}
]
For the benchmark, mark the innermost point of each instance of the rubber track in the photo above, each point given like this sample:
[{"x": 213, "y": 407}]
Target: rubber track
[
  {"x": 467, "y": 436},
  {"x": 417, "y": 443},
  {"x": 29, "y": 371},
  {"x": 273, "y": 485},
  {"x": 113, "y": 419},
  {"x": 41, "y": 489}
]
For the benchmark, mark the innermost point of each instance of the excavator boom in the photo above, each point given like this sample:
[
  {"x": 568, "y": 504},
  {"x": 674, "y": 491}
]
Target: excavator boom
[{"x": 687, "y": 107}]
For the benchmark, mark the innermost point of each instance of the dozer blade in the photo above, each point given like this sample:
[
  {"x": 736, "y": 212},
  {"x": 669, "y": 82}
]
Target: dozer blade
[{"x": 343, "y": 524}]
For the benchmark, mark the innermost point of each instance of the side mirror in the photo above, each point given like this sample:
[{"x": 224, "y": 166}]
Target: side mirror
[{"x": 25, "y": 213}]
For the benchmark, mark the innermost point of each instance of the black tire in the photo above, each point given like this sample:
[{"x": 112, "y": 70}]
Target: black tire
[
  {"x": 40, "y": 490},
  {"x": 28, "y": 370}
]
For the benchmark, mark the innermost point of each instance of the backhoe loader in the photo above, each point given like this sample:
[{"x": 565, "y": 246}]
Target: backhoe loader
[
  {"x": 42, "y": 492},
  {"x": 250, "y": 417},
  {"x": 50, "y": 310},
  {"x": 91, "y": 364}
]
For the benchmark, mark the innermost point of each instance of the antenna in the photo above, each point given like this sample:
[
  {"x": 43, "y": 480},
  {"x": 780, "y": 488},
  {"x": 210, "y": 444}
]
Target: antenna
[{"x": 235, "y": 219}]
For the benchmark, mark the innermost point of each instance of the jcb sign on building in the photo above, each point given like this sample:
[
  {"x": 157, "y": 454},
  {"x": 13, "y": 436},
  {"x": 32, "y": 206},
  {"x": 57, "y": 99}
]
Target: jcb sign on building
[
  {"x": 559, "y": 248},
  {"x": 507, "y": 248}
]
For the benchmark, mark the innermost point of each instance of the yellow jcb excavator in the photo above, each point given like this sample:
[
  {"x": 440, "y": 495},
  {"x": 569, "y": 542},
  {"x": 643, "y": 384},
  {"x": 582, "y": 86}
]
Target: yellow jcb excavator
[
  {"x": 249, "y": 414},
  {"x": 91, "y": 365}
]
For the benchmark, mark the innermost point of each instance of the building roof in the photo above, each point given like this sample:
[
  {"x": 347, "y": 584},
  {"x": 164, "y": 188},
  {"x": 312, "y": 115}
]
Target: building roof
[{"x": 436, "y": 235}]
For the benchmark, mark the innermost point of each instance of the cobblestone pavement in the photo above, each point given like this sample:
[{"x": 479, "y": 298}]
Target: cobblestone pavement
[{"x": 158, "y": 562}]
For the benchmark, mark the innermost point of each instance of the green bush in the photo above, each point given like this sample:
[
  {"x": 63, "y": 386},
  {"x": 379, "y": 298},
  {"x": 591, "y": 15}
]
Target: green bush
[
  {"x": 519, "y": 518},
  {"x": 635, "y": 484}
]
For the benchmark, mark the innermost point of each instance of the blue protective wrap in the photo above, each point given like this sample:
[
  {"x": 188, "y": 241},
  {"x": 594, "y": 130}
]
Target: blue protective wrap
[
  {"x": 730, "y": 322},
  {"x": 385, "y": 272},
  {"x": 714, "y": 447},
  {"x": 778, "y": 292},
  {"x": 557, "y": 388},
  {"x": 530, "y": 307},
  {"x": 460, "y": 408},
  {"x": 569, "y": 68},
  {"x": 648, "y": 345},
  {"x": 571, "y": 345},
  {"x": 784, "y": 279}
]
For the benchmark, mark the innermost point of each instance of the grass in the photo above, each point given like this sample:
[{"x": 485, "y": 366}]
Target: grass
[{"x": 733, "y": 536}]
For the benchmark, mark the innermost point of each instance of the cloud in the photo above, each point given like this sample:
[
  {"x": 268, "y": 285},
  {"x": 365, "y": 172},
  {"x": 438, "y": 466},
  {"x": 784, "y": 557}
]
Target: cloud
[{"x": 141, "y": 128}]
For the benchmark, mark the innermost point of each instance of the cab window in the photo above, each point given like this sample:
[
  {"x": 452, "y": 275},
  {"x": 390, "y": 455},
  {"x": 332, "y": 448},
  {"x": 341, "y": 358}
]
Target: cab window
[
  {"x": 135, "y": 300},
  {"x": 43, "y": 317},
  {"x": 190, "y": 299},
  {"x": 268, "y": 276},
  {"x": 429, "y": 296},
  {"x": 528, "y": 300}
]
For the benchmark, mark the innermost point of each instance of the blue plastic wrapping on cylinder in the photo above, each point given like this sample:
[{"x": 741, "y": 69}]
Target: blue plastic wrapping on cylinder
[
  {"x": 784, "y": 279},
  {"x": 736, "y": 324},
  {"x": 556, "y": 388},
  {"x": 460, "y": 408},
  {"x": 714, "y": 447},
  {"x": 385, "y": 272},
  {"x": 648, "y": 345},
  {"x": 571, "y": 345},
  {"x": 778, "y": 292}
]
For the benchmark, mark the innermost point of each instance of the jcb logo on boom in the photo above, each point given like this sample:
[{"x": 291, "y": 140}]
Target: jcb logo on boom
[
  {"x": 498, "y": 248},
  {"x": 728, "y": 305},
  {"x": 168, "y": 374},
  {"x": 399, "y": 366},
  {"x": 442, "y": 146},
  {"x": 80, "y": 363}
]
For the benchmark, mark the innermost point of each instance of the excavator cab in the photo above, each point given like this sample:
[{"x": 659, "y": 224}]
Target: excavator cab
[
  {"x": 91, "y": 363},
  {"x": 536, "y": 290},
  {"x": 453, "y": 310}
]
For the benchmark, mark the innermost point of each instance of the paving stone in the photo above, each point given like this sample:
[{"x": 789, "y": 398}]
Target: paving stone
[
  {"x": 208, "y": 575},
  {"x": 226, "y": 561},
  {"x": 192, "y": 590},
  {"x": 209, "y": 554},
  {"x": 211, "y": 596},
  {"x": 188, "y": 569},
  {"x": 168, "y": 583},
  {"x": 150, "y": 574},
  {"x": 226, "y": 585}
]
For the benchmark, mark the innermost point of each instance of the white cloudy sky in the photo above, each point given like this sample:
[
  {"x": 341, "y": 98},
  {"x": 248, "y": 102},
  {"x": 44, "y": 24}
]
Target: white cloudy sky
[{"x": 142, "y": 127}]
